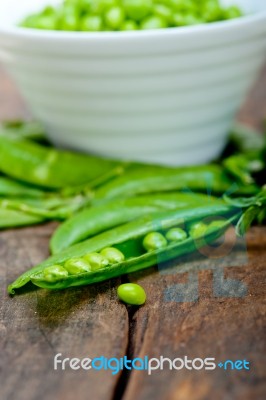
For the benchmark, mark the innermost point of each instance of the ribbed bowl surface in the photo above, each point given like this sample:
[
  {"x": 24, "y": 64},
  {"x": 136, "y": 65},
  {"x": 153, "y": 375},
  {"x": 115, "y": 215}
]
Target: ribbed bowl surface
[{"x": 165, "y": 96}]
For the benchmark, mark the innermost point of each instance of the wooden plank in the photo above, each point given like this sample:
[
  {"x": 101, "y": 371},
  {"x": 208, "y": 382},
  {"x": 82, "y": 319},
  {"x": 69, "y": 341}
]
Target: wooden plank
[
  {"x": 38, "y": 324},
  {"x": 219, "y": 327}
]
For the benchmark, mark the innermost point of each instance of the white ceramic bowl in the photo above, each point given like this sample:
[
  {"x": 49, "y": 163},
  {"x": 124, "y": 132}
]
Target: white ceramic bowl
[{"x": 165, "y": 96}]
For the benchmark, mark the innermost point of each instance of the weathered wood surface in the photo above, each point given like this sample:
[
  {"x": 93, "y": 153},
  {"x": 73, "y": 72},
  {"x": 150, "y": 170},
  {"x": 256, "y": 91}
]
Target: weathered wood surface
[{"x": 89, "y": 321}]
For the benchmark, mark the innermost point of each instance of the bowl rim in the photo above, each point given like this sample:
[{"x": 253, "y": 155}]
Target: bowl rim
[{"x": 200, "y": 29}]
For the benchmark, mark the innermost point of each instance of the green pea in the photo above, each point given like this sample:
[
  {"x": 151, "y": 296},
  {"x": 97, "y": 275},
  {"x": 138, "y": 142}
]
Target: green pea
[
  {"x": 92, "y": 23},
  {"x": 129, "y": 25},
  {"x": 137, "y": 9},
  {"x": 55, "y": 273},
  {"x": 163, "y": 11},
  {"x": 154, "y": 22},
  {"x": 212, "y": 12},
  {"x": 154, "y": 241},
  {"x": 185, "y": 20},
  {"x": 45, "y": 22},
  {"x": 114, "y": 17},
  {"x": 85, "y": 6},
  {"x": 187, "y": 7},
  {"x": 49, "y": 10},
  {"x": 113, "y": 255},
  {"x": 100, "y": 6},
  {"x": 131, "y": 293},
  {"x": 198, "y": 229},
  {"x": 29, "y": 22},
  {"x": 232, "y": 12},
  {"x": 70, "y": 22},
  {"x": 72, "y": 2},
  {"x": 77, "y": 266},
  {"x": 176, "y": 235},
  {"x": 96, "y": 261}
]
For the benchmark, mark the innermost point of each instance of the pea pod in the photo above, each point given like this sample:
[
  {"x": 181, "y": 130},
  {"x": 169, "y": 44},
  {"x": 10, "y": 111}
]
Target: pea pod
[
  {"x": 93, "y": 220},
  {"x": 256, "y": 210},
  {"x": 128, "y": 238},
  {"x": 49, "y": 208},
  {"x": 151, "y": 179},
  {"x": 13, "y": 219},
  {"x": 245, "y": 139},
  {"x": 11, "y": 188},
  {"x": 128, "y": 244},
  {"x": 32, "y": 130},
  {"x": 243, "y": 166},
  {"x": 47, "y": 167}
]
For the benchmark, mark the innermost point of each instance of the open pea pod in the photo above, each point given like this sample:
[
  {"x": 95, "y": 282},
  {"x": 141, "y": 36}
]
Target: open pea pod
[
  {"x": 67, "y": 268},
  {"x": 93, "y": 220}
]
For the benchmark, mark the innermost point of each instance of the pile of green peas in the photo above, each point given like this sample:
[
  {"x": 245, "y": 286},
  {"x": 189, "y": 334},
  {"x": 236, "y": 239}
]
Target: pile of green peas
[{"x": 128, "y": 15}]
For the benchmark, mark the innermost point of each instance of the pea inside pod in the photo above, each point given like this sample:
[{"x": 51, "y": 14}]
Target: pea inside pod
[
  {"x": 176, "y": 235},
  {"x": 96, "y": 261}
]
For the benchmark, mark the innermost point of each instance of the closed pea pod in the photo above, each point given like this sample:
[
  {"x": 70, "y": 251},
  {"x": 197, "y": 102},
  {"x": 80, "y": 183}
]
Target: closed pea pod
[
  {"x": 12, "y": 188},
  {"x": 14, "y": 218},
  {"x": 46, "y": 167},
  {"x": 93, "y": 220},
  {"x": 151, "y": 179}
]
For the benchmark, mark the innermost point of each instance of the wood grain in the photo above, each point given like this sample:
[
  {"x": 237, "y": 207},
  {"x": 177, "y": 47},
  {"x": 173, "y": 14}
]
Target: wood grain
[
  {"x": 89, "y": 321},
  {"x": 36, "y": 325},
  {"x": 220, "y": 327}
]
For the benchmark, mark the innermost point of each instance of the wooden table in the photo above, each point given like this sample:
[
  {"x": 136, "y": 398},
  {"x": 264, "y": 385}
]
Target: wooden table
[{"x": 197, "y": 319}]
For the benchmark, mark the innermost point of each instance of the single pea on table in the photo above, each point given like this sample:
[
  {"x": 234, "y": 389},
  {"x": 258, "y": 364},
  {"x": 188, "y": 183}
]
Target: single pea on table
[{"x": 132, "y": 294}]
